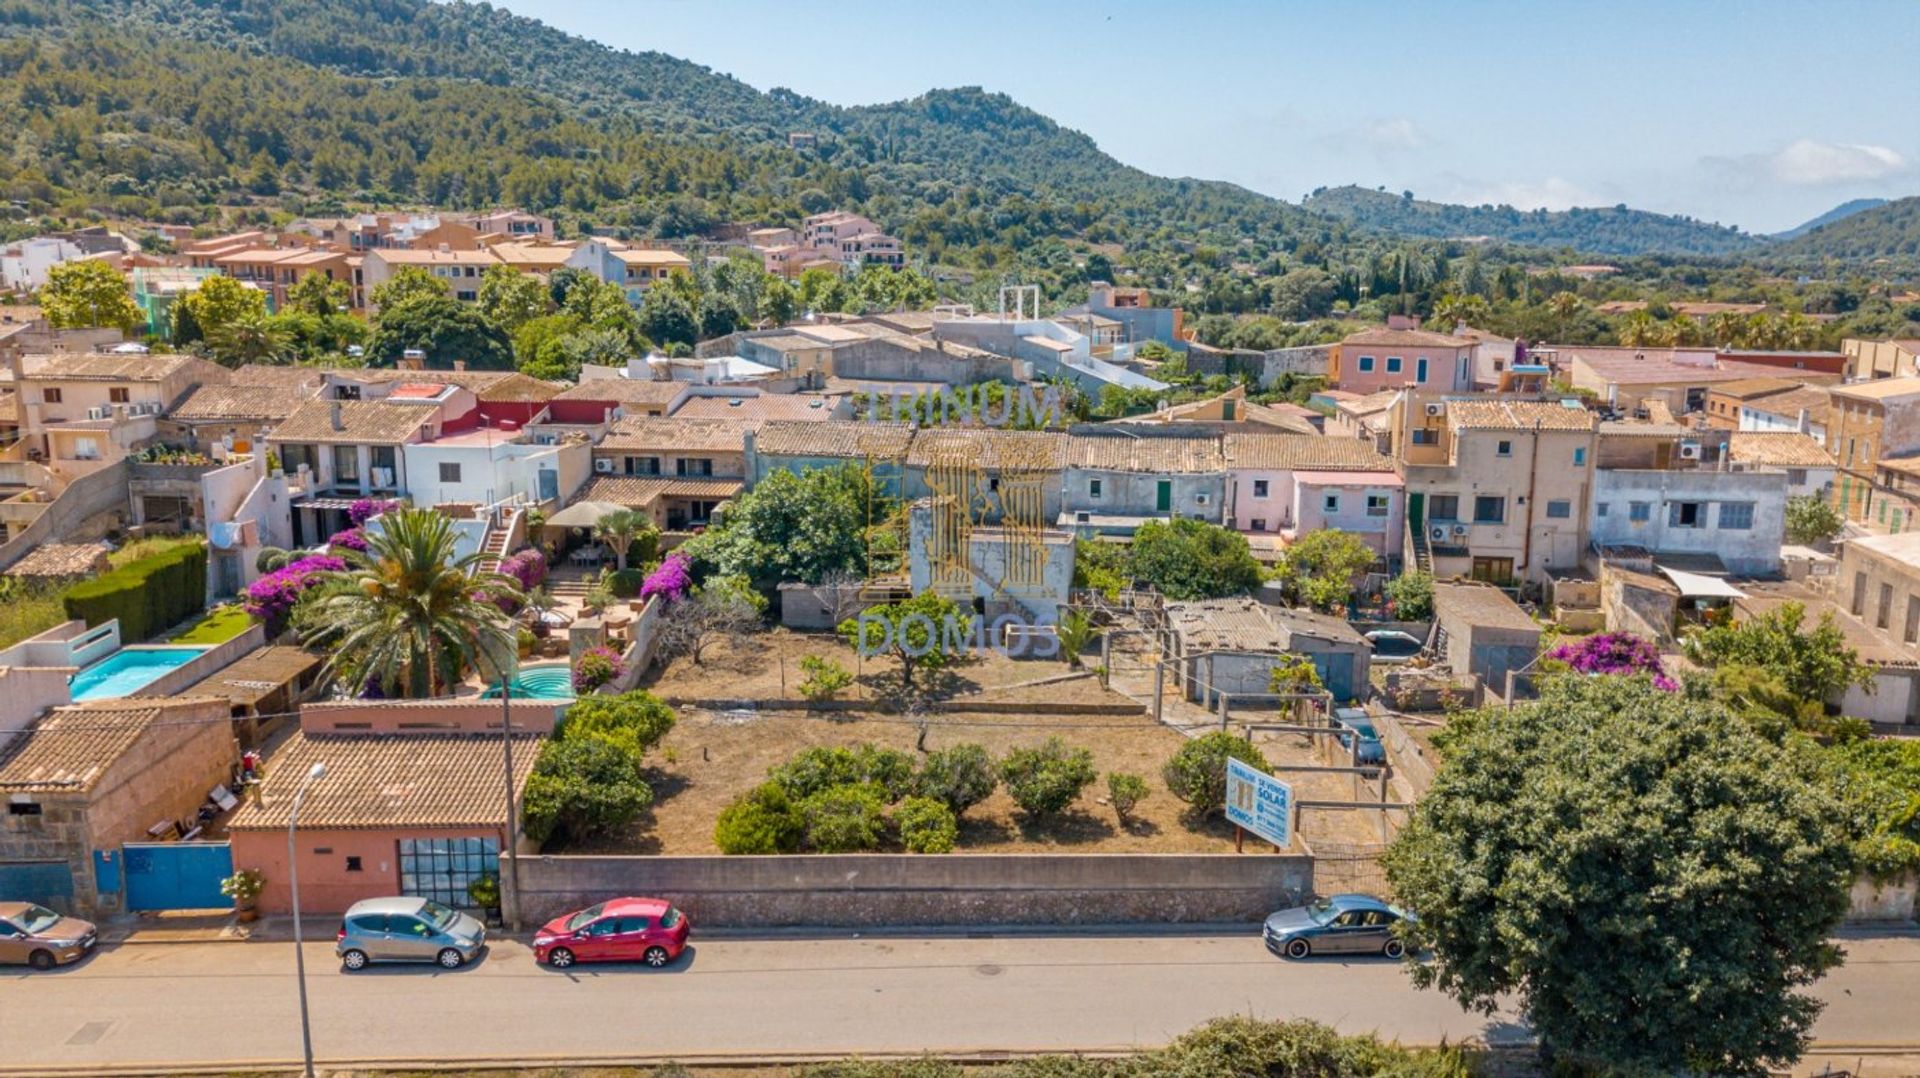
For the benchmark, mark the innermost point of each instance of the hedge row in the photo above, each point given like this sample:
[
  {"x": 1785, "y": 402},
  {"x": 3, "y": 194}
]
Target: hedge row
[{"x": 148, "y": 595}]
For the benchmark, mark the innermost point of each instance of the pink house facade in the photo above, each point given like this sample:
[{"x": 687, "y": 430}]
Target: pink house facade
[
  {"x": 1395, "y": 358},
  {"x": 1281, "y": 487}
]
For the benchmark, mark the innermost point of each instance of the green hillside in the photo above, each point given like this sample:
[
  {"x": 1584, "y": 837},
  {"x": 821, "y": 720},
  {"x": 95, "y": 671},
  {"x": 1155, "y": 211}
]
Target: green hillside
[
  {"x": 1838, "y": 213},
  {"x": 1600, "y": 230},
  {"x": 1890, "y": 231}
]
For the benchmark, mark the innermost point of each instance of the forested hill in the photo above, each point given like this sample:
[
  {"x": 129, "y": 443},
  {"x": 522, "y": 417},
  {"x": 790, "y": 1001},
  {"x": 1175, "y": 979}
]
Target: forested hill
[
  {"x": 1890, "y": 231},
  {"x": 1600, "y": 230},
  {"x": 1838, "y": 213},
  {"x": 950, "y": 169}
]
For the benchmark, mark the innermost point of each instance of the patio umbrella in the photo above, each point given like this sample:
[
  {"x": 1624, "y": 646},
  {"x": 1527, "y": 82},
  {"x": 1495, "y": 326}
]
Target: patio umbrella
[{"x": 583, "y": 514}]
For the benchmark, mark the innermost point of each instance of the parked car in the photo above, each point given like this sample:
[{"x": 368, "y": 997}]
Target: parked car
[
  {"x": 646, "y": 930},
  {"x": 41, "y": 938},
  {"x": 408, "y": 930},
  {"x": 1394, "y": 646},
  {"x": 1340, "y": 924},
  {"x": 1356, "y": 723}
]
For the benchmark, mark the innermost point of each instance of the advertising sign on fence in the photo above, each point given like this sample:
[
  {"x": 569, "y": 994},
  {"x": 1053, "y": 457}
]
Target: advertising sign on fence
[{"x": 1259, "y": 803}]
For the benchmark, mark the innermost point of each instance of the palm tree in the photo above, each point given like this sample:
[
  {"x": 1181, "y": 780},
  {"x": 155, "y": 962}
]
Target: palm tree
[
  {"x": 415, "y": 609},
  {"x": 1726, "y": 328},
  {"x": 1640, "y": 329},
  {"x": 1564, "y": 306},
  {"x": 619, "y": 530},
  {"x": 252, "y": 339}
]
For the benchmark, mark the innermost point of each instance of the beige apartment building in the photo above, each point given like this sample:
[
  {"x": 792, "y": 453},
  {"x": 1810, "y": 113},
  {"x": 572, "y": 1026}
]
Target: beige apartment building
[
  {"x": 1867, "y": 360},
  {"x": 1871, "y": 423},
  {"x": 1496, "y": 489}
]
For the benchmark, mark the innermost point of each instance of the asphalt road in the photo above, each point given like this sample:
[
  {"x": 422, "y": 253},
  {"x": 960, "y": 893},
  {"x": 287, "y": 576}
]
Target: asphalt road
[{"x": 234, "y": 1003}]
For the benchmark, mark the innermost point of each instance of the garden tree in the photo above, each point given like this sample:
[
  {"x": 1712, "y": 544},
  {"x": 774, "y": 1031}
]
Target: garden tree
[
  {"x": 823, "y": 678},
  {"x": 561, "y": 358},
  {"x": 620, "y": 530},
  {"x": 792, "y": 527},
  {"x": 1125, "y": 791},
  {"x": 723, "y": 608},
  {"x": 319, "y": 295},
  {"x": 824, "y": 767},
  {"x": 1318, "y": 569},
  {"x": 1878, "y": 783},
  {"x": 1293, "y": 674},
  {"x": 1187, "y": 559},
  {"x": 1197, "y": 774},
  {"x": 1158, "y": 353},
  {"x": 910, "y": 630},
  {"x": 844, "y": 819},
  {"x": 509, "y": 299},
  {"x": 823, "y": 290},
  {"x": 959, "y": 776},
  {"x": 1302, "y": 294},
  {"x": 603, "y": 305},
  {"x": 1668, "y": 919},
  {"x": 310, "y": 336},
  {"x": 415, "y": 612},
  {"x": 763, "y": 820},
  {"x": 442, "y": 327},
  {"x": 1814, "y": 664},
  {"x": 717, "y": 316},
  {"x": 407, "y": 282},
  {"x": 1411, "y": 594},
  {"x": 667, "y": 318},
  {"x": 926, "y": 826},
  {"x": 88, "y": 294},
  {"x": 536, "y": 334},
  {"x": 1812, "y": 520},
  {"x": 582, "y": 788},
  {"x": 253, "y": 338},
  {"x": 636, "y": 721},
  {"x": 217, "y": 303},
  {"x": 778, "y": 303},
  {"x": 1762, "y": 698},
  {"x": 1045, "y": 780},
  {"x": 1100, "y": 567}
]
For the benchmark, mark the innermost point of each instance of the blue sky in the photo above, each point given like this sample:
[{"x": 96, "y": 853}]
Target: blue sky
[{"x": 1759, "y": 114}]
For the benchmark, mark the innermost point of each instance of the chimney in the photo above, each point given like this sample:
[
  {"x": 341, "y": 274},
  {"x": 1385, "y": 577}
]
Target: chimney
[
  {"x": 459, "y": 364},
  {"x": 337, "y": 424}
]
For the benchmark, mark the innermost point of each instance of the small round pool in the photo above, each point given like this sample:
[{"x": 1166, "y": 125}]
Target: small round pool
[{"x": 552, "y": 681}]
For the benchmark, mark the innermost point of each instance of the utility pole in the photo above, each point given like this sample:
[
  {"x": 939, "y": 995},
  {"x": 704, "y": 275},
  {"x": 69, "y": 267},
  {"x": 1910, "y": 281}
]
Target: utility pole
[
  {"x": 318, "y": 770},
  {"x": 510, "y": 910}
]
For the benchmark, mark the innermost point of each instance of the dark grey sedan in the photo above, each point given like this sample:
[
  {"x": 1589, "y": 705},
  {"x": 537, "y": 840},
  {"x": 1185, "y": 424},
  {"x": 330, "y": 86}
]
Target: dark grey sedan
[{"x": 1341, "y": 924}]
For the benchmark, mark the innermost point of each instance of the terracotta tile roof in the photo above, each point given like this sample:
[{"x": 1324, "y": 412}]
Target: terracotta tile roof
[
  {"x": 360, "y": 421},
  {"x": 261, "y": 672},
  {"x": 517, "y": 388},
  {"x": 623, "y": 391},
  {"x": 1517, "y": 415},
  {"x": 1661, "y": 366},
  {"x": 853, "y": 440},
  {"x": 70, "y": 748},
  {"x": 1405, "y": 338},
  {"x": 1046, "y": 450},
  {"x": 102, "y": 367},
  {"x": 1786, "y": 449},
  {"x": 1290, "y": 452},
  {"x": 652, "y": 257},
  {"x": 1754, "y": 388},
  {"x": 61, "y": 560},
  {"x": 659, "y": 433},
  {"x": 640, "y": 491},
  {"x": 1815, "y": 402},
  {"x": 413, "y": 256},
  {"x": 380, "y": 782},
  {"x": 266, "y": 374},
  {"x": 246, "y": 402},
  {"x": 794, "y": 406},
  {"x": 1155, "y": 452}
]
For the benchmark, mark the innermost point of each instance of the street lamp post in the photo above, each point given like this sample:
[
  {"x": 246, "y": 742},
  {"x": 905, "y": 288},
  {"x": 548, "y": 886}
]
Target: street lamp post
[
  {"x": 293, "y": 884},
  {"x": 511, "y": 909}
]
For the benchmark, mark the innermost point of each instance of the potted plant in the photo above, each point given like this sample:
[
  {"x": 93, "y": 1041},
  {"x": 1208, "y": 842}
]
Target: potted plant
[
  {"x": 244, "y": 888},
  {"x": 484, "y": 893}
]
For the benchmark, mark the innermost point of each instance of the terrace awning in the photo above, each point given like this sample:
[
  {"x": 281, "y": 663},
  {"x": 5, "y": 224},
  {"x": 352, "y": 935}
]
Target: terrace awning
[
  {"x": 1700, "y": 586},
  {"x": 583, "y": 514}
]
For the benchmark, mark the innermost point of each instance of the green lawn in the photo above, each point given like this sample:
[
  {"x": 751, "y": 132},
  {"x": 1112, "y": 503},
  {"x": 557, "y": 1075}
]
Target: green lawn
[{"x": 216, "y": 626}]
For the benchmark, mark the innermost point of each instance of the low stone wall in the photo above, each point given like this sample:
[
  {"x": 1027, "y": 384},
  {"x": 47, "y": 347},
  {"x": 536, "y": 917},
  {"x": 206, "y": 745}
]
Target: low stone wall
[
  {"x": 1408, "y": 757},
  {"x": 873, "y": 890},
  {"x": 712, "y": 703},
  {"x": 1883, "y": 900}
]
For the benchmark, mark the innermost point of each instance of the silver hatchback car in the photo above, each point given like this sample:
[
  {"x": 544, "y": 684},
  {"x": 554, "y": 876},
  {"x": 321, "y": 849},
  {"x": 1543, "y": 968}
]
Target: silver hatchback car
[{"x": 408, "y": 930}]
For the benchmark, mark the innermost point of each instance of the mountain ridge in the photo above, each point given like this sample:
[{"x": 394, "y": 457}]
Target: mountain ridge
[{"x": 1838, "y": 213}]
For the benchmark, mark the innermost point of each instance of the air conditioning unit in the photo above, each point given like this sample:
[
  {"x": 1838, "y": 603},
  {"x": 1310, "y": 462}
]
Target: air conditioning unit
[
  {"x": 1459, "y": 531},
  {"x": 96, "y": 413},
  {"x": 603, "y": 466},
  {"x": 1439, "y": 532},
  {"x": 1082, "y": 517},
  {"x": 1689, "y": 450},
  {"x": 1439, "y": 409},
  {"x": 1199, "y": 499}
]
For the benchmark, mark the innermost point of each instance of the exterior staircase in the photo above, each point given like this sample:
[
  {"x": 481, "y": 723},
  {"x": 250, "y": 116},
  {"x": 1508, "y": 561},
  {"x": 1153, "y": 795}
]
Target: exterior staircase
[
  {"x": 499, "y": 539},
  {"x": 1419, "y": 546}
]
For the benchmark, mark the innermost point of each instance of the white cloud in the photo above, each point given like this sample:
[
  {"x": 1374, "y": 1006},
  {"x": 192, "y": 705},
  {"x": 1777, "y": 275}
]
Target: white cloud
[
  {"x": 1552, "y": 193},
  {"x": 1380, "y": 137},
  {"x": 1808, "y": 163}
]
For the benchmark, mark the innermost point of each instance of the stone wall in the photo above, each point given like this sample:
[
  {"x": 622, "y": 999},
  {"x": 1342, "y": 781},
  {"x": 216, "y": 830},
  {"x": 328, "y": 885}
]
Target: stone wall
[
  {"x": 872, "y": 890},
  {"x": 86, "y": 497}
]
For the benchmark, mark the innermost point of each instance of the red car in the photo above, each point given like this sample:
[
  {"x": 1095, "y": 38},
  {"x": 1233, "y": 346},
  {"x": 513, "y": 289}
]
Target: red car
[{"x": 646, "y": 930}]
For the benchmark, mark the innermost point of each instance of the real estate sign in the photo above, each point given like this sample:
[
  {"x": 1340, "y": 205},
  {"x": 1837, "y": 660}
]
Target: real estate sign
[{"x": 1259, "y": 802}]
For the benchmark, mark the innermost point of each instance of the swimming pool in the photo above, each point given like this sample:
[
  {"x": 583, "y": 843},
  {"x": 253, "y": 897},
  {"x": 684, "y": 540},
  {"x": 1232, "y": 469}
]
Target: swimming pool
[
  {"x": 552, "y": 681},
  {"x": 129, "y": 670}
]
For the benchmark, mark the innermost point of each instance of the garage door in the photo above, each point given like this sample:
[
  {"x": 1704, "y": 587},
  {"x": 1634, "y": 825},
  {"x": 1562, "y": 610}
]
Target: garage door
[{"x": 49, "y": 883}]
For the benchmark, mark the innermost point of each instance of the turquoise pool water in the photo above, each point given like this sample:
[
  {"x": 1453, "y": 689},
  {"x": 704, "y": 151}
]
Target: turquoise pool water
[
  {"x": 539, "y": 683},
  {"x": 129, "y": 670}
]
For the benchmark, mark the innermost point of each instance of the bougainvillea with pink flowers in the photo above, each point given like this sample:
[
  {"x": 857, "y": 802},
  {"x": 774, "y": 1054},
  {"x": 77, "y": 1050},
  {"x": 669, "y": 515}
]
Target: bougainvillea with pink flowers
[
  {"x": 1615, "y": 653},
  {"x": 351, "y": 539},
  {"x": 366, "y": 509},
  {"x": 528, "y": 568},
  {"x": 596, "y": 666},
  {"x": 671, "y": 580},
  {"x": 272, "y": 597}
]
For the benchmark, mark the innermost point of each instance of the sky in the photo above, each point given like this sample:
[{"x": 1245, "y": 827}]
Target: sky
[{"x": 1759, "y": 114}]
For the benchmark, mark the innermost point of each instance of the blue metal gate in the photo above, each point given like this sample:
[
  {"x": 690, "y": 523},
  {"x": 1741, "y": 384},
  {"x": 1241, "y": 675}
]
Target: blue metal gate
[
  {"x": 177, "y": 875},
  {"x": 49, "y": 883}
]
